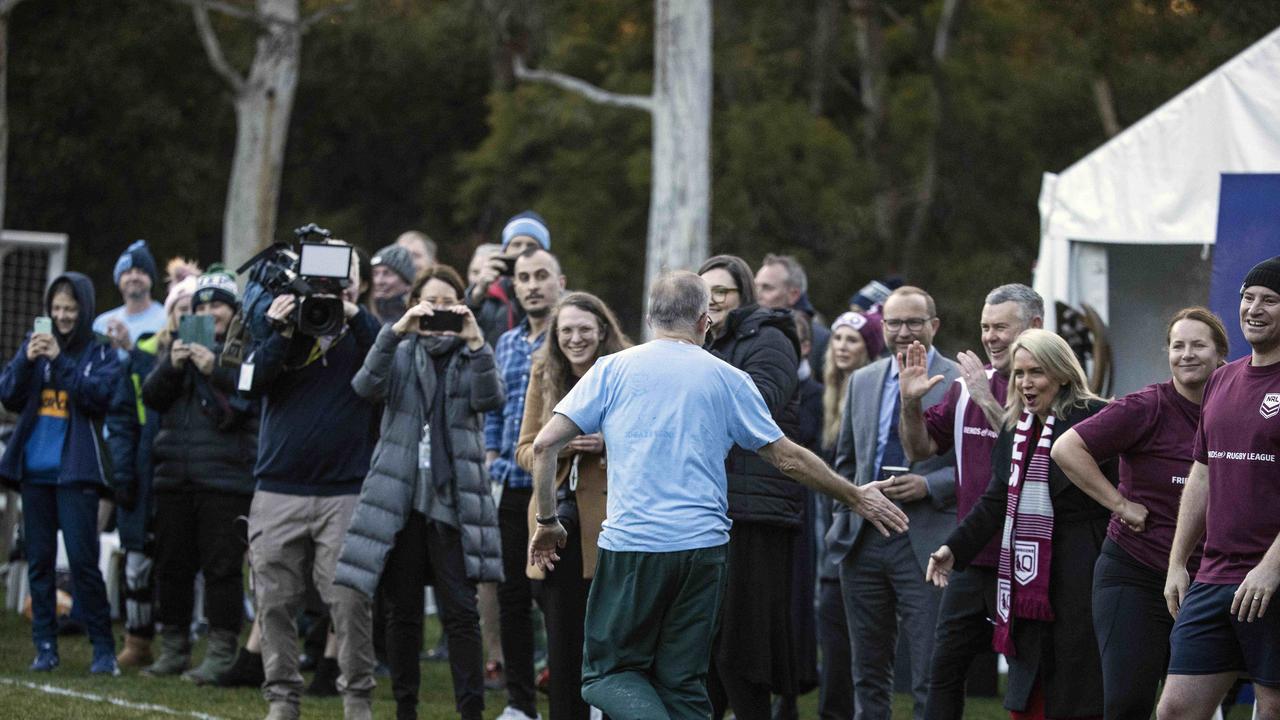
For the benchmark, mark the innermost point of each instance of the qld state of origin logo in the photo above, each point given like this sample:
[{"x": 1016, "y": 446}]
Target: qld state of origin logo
[{"x": 1270, "y": 405}]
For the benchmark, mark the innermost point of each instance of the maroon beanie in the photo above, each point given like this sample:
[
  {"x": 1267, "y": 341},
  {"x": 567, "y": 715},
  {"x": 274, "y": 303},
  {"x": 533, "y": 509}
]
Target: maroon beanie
[{"x": 868, "y": 326}]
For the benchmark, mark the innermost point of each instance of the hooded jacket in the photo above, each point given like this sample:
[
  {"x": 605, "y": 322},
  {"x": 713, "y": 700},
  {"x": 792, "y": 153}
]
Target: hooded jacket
[
  {"x": 762, "y": 342},
  {"x": 87, "y": 369}
]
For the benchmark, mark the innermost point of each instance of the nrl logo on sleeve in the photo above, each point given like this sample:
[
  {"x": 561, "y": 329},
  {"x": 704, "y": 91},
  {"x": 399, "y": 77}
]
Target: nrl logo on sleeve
[{"x": 1270, "y": 405}]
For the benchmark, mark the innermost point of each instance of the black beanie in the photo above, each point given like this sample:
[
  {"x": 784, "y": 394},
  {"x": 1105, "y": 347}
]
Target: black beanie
[{"x": 1266, "y": 274}]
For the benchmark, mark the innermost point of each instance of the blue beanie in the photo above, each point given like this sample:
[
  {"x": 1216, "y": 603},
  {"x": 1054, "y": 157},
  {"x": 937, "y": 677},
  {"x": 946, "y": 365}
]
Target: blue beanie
[
  {"x": 527, "y": 223},
  {"x": 135, "y": 256}
]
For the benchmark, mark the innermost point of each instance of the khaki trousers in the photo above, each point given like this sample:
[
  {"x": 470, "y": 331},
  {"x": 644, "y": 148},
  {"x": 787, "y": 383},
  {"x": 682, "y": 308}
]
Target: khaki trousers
[{"x": 284, "y": 532}]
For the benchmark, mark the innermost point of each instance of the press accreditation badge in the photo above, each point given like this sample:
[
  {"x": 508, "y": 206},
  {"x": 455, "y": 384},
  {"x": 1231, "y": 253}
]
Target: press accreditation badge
[{"x": 246, "y": 377}]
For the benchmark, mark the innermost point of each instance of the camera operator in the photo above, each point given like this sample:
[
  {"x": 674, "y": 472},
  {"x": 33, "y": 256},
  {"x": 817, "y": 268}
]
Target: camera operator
[{"x": 314, "y": 446}]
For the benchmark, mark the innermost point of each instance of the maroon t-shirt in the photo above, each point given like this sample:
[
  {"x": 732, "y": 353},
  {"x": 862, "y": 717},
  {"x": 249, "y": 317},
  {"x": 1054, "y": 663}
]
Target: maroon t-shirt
[
  {"x": 1239, "y": 439},
  {"x": 1152, "y": 432},
  {"x": 973, "y": 452}
]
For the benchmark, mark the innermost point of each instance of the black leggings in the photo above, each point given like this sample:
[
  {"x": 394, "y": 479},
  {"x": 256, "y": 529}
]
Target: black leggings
[{"x": 1132, "y": 624}]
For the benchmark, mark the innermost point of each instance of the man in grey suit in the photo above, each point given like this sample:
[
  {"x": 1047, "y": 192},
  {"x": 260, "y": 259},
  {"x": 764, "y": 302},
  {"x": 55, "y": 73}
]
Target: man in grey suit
[{"x": 882, "y": 578}]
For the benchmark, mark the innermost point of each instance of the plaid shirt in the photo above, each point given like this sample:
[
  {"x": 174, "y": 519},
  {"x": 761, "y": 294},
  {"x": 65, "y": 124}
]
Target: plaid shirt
[{"x": 514, "y": 356}]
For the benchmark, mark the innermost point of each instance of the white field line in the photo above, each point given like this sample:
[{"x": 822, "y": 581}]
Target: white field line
[{"x": 149, "y": 707}]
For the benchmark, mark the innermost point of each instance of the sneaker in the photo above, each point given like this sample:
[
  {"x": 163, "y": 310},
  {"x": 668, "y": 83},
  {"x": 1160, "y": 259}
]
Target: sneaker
[
  {"x": 46, "y": 658},
  {"x": 512, "y": 713},
  {"x": 104, "y": 663}
]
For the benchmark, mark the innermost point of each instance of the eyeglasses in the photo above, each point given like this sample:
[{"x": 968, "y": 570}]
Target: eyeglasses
[
  {"x": 912, "y": 324},
  {"x": 720, "y": 294}
]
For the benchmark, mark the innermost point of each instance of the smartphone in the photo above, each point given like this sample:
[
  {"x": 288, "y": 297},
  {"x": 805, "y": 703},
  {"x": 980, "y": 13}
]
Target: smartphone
[
  {"x": 43, "y": 325},
  {"x": 441, "y": 321},
  {"x": 888, "y": 471},
  {"x": 508, "y": 265},
  {"x": 196, "y": 329}
]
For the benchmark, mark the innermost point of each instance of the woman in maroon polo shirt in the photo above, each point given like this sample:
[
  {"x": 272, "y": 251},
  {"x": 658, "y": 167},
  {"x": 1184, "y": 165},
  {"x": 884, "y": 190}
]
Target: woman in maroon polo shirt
[{"x": 1152, "y": 432}]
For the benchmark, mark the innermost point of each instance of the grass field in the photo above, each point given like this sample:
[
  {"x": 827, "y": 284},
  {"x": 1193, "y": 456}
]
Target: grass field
[{"x": 70, "y": 692}]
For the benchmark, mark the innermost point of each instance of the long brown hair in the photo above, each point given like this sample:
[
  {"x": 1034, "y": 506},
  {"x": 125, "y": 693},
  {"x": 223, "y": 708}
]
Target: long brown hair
[{"x": 551, "y": 366}]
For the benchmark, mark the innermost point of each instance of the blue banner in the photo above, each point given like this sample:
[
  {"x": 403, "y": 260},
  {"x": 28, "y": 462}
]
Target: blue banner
[{"x": 1248, "y": 232}]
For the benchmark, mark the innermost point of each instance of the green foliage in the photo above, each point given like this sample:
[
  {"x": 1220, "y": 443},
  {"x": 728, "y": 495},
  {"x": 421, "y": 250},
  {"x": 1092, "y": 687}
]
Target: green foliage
[{"x": 406, "y": 116}]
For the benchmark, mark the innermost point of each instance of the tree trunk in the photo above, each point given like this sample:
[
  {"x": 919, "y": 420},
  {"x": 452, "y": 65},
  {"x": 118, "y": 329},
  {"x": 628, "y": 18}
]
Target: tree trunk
[
  {"x": 869, "y": 42},
  {"x": 680, "y": 191},
  {"x": 6, "y": 6},
  {"x": 680, "y": 186},
  {"x": 263, "y": 106},
  {"x": 826, "y": 16}
]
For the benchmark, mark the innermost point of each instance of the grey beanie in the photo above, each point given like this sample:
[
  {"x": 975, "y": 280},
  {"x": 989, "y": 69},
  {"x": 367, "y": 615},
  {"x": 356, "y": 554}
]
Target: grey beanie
[{"x": 398, "y": 258}]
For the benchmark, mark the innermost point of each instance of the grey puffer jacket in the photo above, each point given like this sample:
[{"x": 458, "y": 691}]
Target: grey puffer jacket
[{"x": 472, "y": 387}]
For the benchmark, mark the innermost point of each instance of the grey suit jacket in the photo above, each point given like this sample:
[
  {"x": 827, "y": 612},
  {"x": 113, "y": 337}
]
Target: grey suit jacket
[{"x": 933, "y": 517}]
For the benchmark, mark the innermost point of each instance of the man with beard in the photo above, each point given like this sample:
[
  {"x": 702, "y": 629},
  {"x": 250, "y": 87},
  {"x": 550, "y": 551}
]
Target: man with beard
[
  {"x": 966, "y": 421},
  {"x": 880, "y": 577},
  {"x": 538, "y": 284},
  {"x": 134, "y": 274}
]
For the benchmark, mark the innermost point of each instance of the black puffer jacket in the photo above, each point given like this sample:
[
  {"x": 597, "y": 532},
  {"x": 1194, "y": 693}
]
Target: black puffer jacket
[
  {"x": 208, "y": 438},
  {"x": 763, "y": 343}
]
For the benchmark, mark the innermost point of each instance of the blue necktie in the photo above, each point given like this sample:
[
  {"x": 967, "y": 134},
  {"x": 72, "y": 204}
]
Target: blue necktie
[{"x": 893, "y": 453}]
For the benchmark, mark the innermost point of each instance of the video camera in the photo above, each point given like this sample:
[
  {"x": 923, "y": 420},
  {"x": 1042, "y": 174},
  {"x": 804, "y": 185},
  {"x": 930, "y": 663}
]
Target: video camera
[{"x": 317, "y": 274}]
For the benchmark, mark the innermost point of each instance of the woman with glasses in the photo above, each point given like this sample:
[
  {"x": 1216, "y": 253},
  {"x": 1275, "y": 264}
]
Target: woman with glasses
[
  {"x": 582, "y": 329},
  {"x": 754, "y": 653},
  {"x": 425, "y": 509}
]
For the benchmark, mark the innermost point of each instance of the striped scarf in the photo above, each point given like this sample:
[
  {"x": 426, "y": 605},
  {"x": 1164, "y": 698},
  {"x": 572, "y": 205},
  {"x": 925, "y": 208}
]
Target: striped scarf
[{"x": 1026, "y": 547}]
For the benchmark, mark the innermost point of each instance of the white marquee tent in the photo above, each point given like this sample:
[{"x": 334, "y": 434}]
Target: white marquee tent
[{"x": 1129, "y": 229}]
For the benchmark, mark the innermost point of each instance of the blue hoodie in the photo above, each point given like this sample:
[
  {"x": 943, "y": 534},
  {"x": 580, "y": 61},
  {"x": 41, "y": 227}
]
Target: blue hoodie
[{"x": 81, "y": 379}]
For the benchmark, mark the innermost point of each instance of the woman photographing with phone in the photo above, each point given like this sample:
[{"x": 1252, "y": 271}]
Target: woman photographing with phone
[
  {"x": 203, "y": 461},
  {"x": 425, "y": 509},
  {"x": 581, "y": 330}
]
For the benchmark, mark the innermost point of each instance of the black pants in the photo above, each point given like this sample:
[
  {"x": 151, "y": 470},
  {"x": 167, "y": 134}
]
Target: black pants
[
  {"x": 963, "y": 633},
  {"x": 564, "y": 607},
  {"x": 515, "y": 600},
  {"x": 835, "y": 693},
  {"x": 1132, "y": 624},
  {"x": 430, "y": 549},
  {"x": 197, "y": 532}
]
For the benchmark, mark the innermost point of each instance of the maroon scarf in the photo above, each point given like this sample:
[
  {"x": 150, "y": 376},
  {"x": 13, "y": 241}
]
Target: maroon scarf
[{"x": 1026, "y": 547}]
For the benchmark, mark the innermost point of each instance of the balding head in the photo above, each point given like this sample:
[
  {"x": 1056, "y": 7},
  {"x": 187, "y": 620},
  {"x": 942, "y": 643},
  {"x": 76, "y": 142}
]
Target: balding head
[{"x": 677, "y": 301}]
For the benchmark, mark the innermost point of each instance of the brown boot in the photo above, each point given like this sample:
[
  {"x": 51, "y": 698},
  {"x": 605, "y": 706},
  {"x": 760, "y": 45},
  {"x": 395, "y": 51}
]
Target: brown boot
[{"x": 136, "y": 653}]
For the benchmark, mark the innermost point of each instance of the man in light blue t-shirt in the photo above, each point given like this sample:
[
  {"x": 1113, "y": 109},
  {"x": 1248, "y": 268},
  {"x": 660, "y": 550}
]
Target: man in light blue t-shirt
[
  {"x": 669, "y": 412},
  {"x": 134, "y": 274}
]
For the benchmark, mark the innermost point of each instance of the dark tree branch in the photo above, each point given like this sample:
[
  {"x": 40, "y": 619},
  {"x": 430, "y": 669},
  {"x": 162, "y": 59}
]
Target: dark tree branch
[
  {"x": 581, "y": 87},
  {"x": 323, "y": 14},
  {"x": 213, "y": 48}
]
